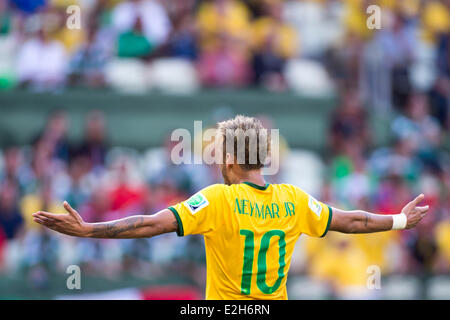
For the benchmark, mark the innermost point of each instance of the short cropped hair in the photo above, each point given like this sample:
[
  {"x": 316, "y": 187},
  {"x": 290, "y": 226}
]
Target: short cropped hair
[{"x": 248, "y": 139}]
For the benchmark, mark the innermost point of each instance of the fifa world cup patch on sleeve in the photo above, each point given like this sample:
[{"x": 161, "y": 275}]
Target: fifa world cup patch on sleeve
[
  {"x": 195, "y": 203},
  {"x": 314, "y": 206}
]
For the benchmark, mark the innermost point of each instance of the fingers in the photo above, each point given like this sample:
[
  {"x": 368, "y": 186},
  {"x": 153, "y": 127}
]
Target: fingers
[
  {"x": 39, "y": 221},
  {"x": 423, "y": 209},
  {"x": 42, "y": 214},
  {"x": 56, "y": 217},
  {"x": 418, "y": 199},
  {"x": 69, "y": 209},
  {"x": 43, "y": 220}
]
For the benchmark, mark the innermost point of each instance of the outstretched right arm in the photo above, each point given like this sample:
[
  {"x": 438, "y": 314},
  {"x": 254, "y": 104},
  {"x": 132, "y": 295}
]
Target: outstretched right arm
[{"x": 139, "y": 226}]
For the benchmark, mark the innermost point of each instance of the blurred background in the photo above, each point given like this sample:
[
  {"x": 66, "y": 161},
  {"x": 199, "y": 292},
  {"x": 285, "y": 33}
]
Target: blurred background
[{"x": 86, "y": 116}]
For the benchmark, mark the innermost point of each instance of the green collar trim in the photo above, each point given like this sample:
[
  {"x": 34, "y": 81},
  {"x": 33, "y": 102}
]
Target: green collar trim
[{"x": 257, "y": 186}]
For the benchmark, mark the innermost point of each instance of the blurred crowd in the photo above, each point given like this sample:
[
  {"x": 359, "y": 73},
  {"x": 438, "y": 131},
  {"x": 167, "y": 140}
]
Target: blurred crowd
[
  {"x": 105, "y": 183},
  {"x": 309, "y": 46},
  {"x": 383, "y": 180}
]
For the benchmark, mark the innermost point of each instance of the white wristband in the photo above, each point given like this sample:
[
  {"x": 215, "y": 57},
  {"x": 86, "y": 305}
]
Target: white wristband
[{"x": 399, "y": 221}]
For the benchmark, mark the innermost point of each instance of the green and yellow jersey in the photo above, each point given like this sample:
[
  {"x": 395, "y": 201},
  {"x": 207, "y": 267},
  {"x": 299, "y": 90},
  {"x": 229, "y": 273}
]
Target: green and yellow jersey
[{"x": 250, "y": 232}]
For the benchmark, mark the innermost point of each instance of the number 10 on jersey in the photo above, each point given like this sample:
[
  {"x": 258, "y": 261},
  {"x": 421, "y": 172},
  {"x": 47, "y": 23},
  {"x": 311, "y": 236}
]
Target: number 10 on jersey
[{"x": 247, "y": 269}]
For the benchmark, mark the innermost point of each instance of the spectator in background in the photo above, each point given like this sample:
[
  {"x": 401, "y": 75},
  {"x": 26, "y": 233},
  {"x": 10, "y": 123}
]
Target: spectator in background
[
  {"x": 354, "y": 188},
  {"x": 440, "y": 92},
  {"x": 224, "y": 31},
  {"x": 417, "y": 122},
  {"x": 133, "y": 43},
  {"x": 86, "y": 165},
  {"x": 399, "y": 42},
  {"x": 11, "y": 221},
  {"x": 442, "y": 229},
  {"x": 423, "y": 247},
  {"x": 9, "y": 44},
  {"x": 223, "y": 19},
  {"x": 29, "y": 6},
  {"x": 154, "y": 22},
  {"x": 171, "y": 176},
  {"x": 274, "y": 42},
  {"x": 94, "y": 145},
  {"x": 182, "y": 42},
  {"x": 56, "y": 15},
  {"x": 42, "y": 199},
  {"x": 13, "y": 168},
  {"x": 97, "y": 207},
  {"x": 439, "y": 101},
  {"x": 346, "y": 279},
  {"x": 443, "y": 54},
  {"x": 88, "y": 62},
  {"x": 345, "y": 53},
  {"x": 5, "y": 18},
  {"x": 435, "y": 18},
  {"x": 398, "y": 160},
  {"x": 392, "y": 190},
  {"x": 125, "y": 189},
  {"x": 2, "y": 247},
  {"x": 54, "y": 136},
  {"x": 42, "y": 62},
  {"x": 39, "y": 255},
  {"x": 349, "y": 123},
  {"x": 79, "y": 188},
  {"x": 421, "y": 128},
  {"x": 224, "y": 66}
]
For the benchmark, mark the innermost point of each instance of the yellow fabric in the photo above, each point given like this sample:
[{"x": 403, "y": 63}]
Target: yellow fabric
[
  {"x": 71, "y": 39},
  {"x": 355, "y": 19},
  {"x": 339, "y": 260},
  {"x": 64, "y": 3},
  {"x": 374, "y": 247},
  {"x": 229, "y": 216},
  {"x": 354, "y": 253},
  {"x": 232, "y": 21},
  {"x": 387, "y": 3},
  {"x": 409, "y": 8},
  {"x": 284, "y": 37},
  {"x": 442, "y": 233},
  {"x": 33, "y": 203},
  {"x": 436, "y": 19}
]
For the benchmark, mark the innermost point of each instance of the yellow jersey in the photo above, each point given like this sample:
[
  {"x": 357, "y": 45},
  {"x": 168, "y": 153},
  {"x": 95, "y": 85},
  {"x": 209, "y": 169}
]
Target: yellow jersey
[{"x": 250, "y": 232}]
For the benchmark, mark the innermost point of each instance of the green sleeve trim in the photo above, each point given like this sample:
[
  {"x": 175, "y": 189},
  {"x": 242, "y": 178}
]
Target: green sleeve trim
[
  {"x": 180, "y": 231},
  {"x": 330, "y": 215}
]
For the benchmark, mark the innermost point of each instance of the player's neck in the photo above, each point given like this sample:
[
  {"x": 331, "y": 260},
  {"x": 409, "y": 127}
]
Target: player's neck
[{"x": 254, "y": 176}]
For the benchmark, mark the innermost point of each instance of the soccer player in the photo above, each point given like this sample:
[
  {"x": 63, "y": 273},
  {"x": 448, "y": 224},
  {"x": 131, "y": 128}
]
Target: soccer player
[{"x": 250, "y": 227}]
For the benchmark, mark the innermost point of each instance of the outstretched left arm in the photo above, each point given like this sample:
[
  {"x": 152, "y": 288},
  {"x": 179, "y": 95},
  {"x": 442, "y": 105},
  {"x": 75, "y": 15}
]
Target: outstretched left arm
[
  {"x": 139, "y": 226},
  {"x": 358, "y": 221}
]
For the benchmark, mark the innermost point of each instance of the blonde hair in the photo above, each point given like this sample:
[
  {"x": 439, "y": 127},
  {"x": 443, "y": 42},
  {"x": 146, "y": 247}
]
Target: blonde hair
[{"x": 248, "y": 136}]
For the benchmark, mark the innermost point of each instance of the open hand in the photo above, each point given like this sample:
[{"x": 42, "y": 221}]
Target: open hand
[
  {"x": 71, "y": 223},
  {"x": 414, "y": 213}
]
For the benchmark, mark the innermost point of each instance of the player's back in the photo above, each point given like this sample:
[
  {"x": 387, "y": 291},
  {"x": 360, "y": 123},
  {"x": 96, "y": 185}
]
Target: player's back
[{"x": 250, "y": 233}]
